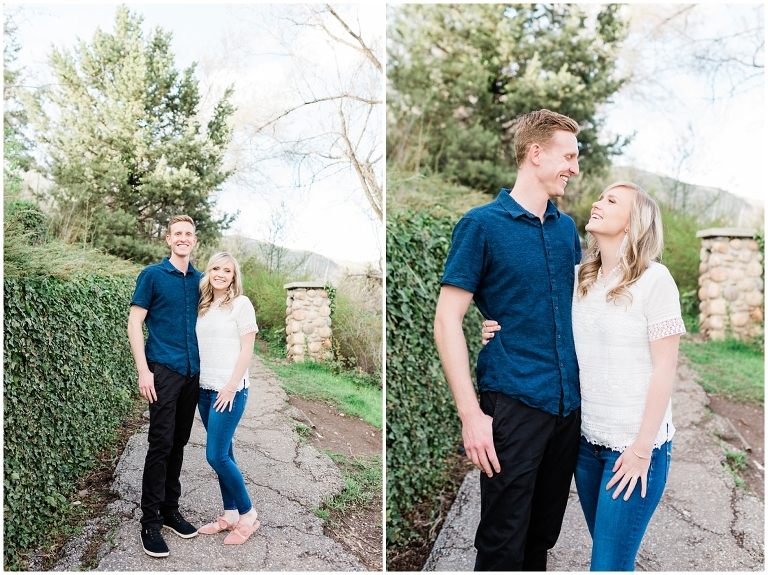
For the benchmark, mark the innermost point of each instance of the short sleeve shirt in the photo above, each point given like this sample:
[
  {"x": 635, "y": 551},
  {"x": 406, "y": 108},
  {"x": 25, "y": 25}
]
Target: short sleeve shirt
[
  {"x": 613, "y": 342},
  {"x": 218, "y": 333},
  {"x": 520, "y": 271},
  {"x": 170, "y": 298}
]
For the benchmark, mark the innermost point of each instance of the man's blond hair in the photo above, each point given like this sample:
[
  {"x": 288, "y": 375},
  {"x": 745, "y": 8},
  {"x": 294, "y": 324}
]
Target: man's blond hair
[
  {"x": 538, "y": 128},
  {"x": 180, "y": 218}
]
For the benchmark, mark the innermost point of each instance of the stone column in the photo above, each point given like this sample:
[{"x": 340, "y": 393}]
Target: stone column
[
  {"x": 308, "y": 322},
  {"x": 731, "y": 284}
]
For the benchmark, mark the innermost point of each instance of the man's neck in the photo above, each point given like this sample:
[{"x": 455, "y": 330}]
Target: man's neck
[
  {"x": 529, "y": 198},
  {"x": 180, "y": 263}
]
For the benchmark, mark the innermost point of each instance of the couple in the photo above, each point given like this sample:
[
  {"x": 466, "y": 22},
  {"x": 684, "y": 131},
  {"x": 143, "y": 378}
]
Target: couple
[
  {"x": 602, "y": 336},
  {"x": 201, "y": 331}
]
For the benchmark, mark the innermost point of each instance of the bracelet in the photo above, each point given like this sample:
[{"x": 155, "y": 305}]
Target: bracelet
[
  {"x": 235, "y": 391},
  {"x": 640, "y": 456}
]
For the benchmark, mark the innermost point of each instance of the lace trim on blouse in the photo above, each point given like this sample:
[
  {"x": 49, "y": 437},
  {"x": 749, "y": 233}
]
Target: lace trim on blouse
[
  {"x": 248, "y": 328},
  {"x": 665, "y": 328}
]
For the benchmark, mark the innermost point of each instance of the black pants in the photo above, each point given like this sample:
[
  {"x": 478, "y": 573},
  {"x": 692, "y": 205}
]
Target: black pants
[
  {"x": 522, "y": 508},
  {"x": 170, "y": 425}
]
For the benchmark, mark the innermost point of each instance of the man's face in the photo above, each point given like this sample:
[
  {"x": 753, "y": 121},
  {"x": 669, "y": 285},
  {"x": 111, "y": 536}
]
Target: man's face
[
  {"x": 181, "y": 239},
  {"x": 558, "y": 162}
]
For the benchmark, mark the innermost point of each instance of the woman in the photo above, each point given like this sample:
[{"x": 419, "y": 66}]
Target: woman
[
  {"x": 626, "y": 328},
  {"x": 226, "y": 330}
]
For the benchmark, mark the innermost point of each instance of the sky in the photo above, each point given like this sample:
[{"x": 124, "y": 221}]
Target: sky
[
  {"x": 726, "y": 139},
  {"x": 330, "y": 217}
]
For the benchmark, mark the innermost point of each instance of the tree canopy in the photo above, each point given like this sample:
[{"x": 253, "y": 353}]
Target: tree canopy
[
  {"x": 123, "y": 142},
  {"x": 460, "y": 75}
]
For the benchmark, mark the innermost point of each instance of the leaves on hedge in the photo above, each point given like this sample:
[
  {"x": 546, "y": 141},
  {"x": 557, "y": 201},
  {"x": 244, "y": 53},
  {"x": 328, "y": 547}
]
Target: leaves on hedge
[
  {"x": 68, "y": 383},
  {"x": 423, "y": 428}
]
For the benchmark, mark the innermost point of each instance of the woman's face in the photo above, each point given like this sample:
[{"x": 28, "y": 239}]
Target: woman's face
[
  {"x": 221, "y": 275},
  {"x": 610, "y": 213}
]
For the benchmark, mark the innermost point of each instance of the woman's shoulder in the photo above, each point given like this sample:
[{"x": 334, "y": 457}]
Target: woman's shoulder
[
  {"x": 656, "y": 270},
  {"x": 242, "y": 302}
]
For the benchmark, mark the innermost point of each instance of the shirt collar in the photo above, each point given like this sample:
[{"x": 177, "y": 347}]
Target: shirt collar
[
  {"x": 169, "y": 267},
  {"x": 516, "y": 210}
]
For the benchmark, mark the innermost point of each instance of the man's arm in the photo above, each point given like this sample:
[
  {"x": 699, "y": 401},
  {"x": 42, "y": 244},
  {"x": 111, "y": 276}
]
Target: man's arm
[
  {"x": 452, "y": 347},
  {"x": 136, "y": 337}
]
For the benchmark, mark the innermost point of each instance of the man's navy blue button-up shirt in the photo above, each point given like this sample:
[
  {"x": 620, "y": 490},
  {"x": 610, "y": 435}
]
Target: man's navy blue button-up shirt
[
  {"x": 521, "y": 272},
  {"x": 170, "y": 298}
]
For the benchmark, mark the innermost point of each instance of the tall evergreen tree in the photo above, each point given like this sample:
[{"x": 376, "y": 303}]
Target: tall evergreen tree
[
  {"x": 14, "y": 115},
  {"x": 459, "y": 76},
  {"x": 124, "y": 143}
]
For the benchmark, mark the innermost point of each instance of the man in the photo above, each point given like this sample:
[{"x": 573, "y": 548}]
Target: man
[
  {"x": 516, "y": 258},
  {"x": 166, "y": 298}
]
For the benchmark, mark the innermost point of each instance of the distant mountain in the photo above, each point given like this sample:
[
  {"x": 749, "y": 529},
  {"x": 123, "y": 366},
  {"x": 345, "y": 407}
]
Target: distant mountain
[
  {"x": 714, "y": 202},
  {"x": 317, "y": 267}
]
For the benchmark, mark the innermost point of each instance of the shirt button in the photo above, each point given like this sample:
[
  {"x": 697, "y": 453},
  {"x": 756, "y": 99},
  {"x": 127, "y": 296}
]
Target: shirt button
[
  {"x": 555, "y": 308},
  {"x": 561, "y": 364},
  {"x": 553, "y": 281},
  {"x": 558, "y": 337}
]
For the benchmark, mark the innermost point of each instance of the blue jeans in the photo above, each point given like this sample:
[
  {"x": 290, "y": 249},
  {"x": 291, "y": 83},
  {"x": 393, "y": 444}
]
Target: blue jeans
[
  {"x": 218, "y": 451},
  {"x": 617, "y": 526}
]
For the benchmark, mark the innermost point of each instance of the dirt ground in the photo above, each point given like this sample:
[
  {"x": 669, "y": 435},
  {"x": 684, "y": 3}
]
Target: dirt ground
[
  {"x": 360, "y": 531},
  {"x": 749, "y": 420}
]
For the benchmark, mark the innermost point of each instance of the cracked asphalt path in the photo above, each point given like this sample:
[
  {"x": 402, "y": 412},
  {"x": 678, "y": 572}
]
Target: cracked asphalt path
[
  {"x": 703, "y": 523},
  {"x": 284, "y": 477}
]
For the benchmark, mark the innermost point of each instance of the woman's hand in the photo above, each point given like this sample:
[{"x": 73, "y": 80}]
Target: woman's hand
[
  {"x": 628, "y": 469},
  {"x": 224, "y": 397},
  {"x": 489, "y": 327}
]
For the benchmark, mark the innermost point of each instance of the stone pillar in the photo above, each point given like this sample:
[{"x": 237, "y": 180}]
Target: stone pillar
[
  {"x": 307, "y": 322},
  {"x": 731, "y": 284}
]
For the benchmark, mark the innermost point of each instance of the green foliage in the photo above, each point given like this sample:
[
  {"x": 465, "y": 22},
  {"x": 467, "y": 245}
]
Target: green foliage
[
  {"x": 66, "y": 362},
  {"x": 124, "y": 144},
  {"x": 431, "y": 192},
  {"x": 735, "y": 463},
  {"x": 316, "y": 381},
  {"x": 265, "y": 288},
  {"x": 460, "y": 75},
  {"x": 357, "y": 323},
  {"x": 423, "y": 428},
  {"x": 363, "y": 479},
  {"x": 14, "y": 115},
  {"x": 731, "y": 368}
]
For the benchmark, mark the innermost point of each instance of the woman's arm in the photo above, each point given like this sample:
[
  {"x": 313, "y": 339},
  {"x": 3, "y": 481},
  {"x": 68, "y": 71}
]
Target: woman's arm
[
  {"x": 633, "y": 464},
  {"x": 227, "y": 393}
]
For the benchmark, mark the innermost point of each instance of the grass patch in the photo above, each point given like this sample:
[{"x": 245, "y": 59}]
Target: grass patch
[
  {"x": 732, "y": 369},
  {"x": 364, "y": 479},
  {"x": 736, "y": 462},
  {"x": 315, "y": 382}
]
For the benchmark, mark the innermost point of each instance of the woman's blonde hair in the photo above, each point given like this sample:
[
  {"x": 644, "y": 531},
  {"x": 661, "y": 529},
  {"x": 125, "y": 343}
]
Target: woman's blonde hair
[
  {"x": 645, "y": 242},
  {"x": 206, "y": 290}
]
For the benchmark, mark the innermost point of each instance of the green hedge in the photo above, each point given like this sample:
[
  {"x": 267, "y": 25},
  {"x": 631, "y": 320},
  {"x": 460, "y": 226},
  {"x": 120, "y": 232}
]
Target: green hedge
[
  {"x": 69, "y": 380},
  {"x": 423, "y": 428}
]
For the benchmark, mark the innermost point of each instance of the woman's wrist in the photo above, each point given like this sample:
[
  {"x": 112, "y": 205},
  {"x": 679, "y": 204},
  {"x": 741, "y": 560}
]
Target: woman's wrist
[{"x": 643, "y": 452}]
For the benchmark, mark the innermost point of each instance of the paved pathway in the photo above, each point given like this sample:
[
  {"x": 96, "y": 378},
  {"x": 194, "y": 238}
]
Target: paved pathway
[
  {"x": 284, "y": 476},
  {"x": 703, "y": 523}
]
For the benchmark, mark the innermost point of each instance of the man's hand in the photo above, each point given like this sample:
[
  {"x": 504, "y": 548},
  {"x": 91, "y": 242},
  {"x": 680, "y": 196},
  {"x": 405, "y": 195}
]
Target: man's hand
[
  {"x": 477, "y": 432},
  {"x": 147, "y": 386}
]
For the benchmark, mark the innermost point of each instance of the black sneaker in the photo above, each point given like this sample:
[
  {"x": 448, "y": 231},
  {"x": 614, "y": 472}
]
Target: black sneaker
[
  {"x": 180, "y": 526},
  {"x": 153, "y": 543}
]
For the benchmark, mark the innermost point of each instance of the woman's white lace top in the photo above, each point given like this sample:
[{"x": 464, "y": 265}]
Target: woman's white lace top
[
  {"x": 218, "y": 339},
  {"x": 613, "y": 348}
]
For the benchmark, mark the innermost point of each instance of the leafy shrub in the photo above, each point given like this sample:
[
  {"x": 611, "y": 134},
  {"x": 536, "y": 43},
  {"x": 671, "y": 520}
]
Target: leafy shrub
[
  {"x": 28, "y": 220},
  {"x": 67, "y": 385},
  {"x": 423, "y": 428},
  {"x": 357, "y": 324}
]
